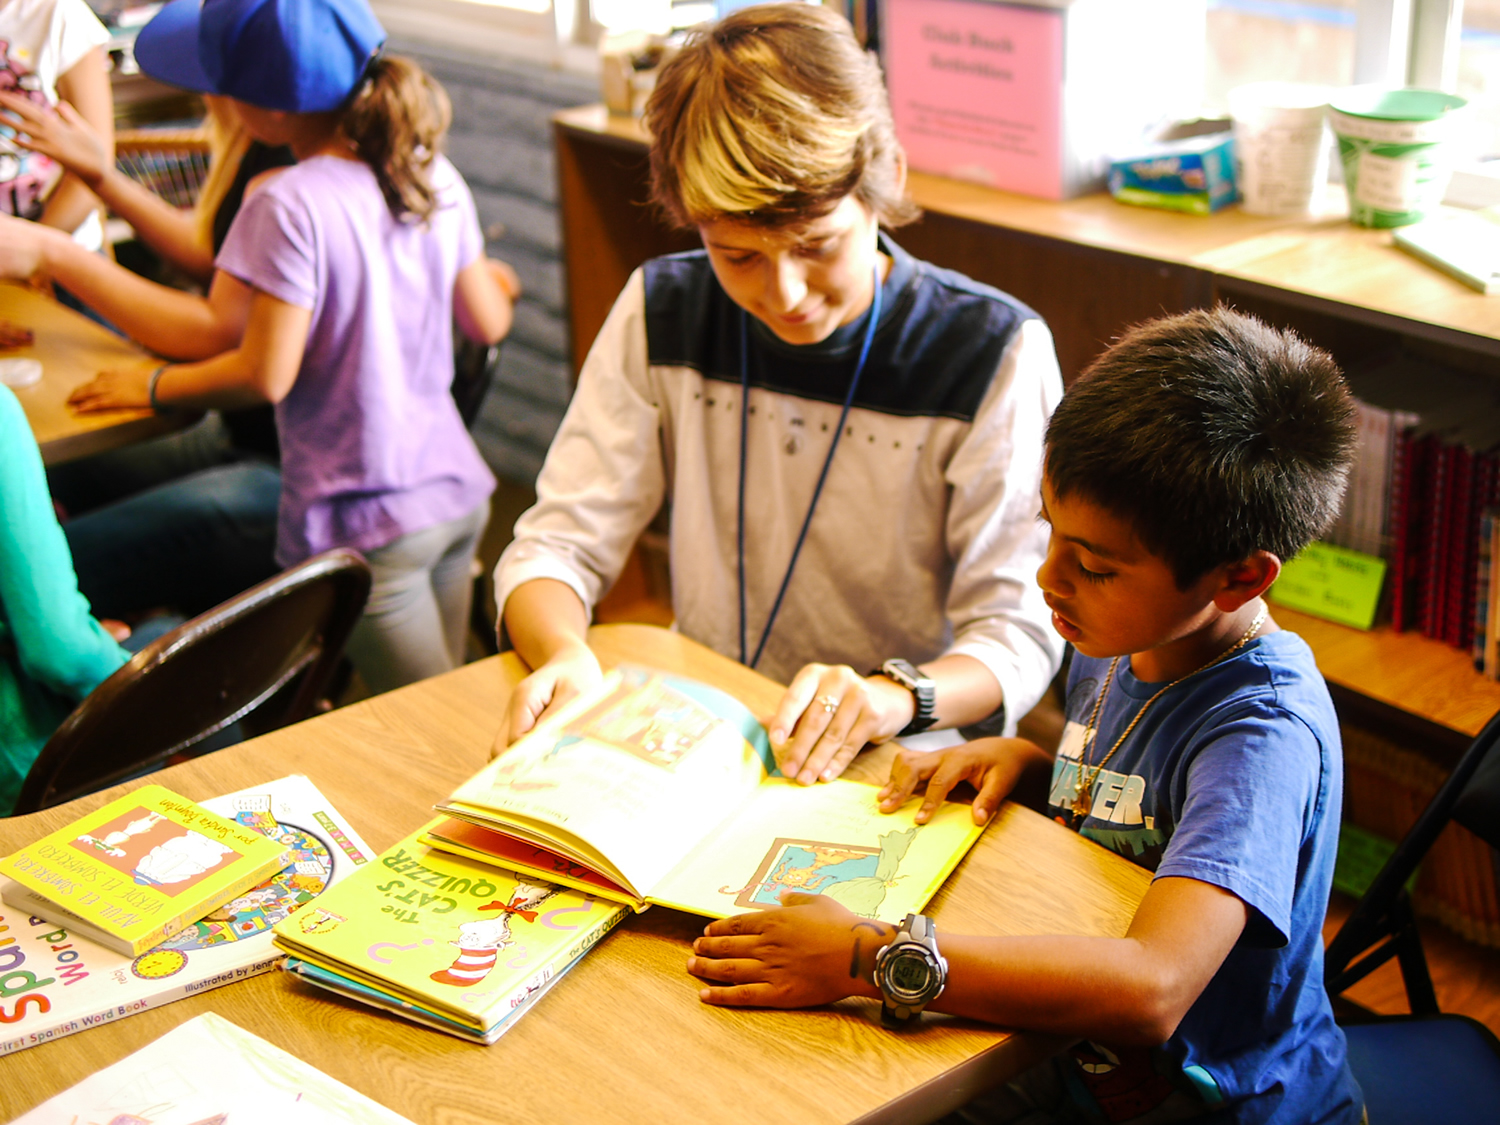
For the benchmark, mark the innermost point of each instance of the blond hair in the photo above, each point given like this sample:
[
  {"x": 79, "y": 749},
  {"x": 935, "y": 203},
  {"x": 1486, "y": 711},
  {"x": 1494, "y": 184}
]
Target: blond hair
[
  {"x": 227, "y": 142},
  {"x": 773, "y": 115}
]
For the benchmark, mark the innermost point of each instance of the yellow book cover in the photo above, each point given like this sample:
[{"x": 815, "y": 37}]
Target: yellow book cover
[
  {"x": 464, "y": 940},
  {"x": 667, "y": 790},
  {"x": 131, "y": 874}
]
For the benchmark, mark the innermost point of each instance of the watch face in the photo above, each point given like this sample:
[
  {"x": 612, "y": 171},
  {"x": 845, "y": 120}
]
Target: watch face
[{"x": 910, "y": 975}]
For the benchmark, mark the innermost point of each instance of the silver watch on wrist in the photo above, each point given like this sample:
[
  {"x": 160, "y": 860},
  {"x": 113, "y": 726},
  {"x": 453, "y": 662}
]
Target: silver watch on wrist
[
  {"x": 923, "y": 690},
  {"x": 910, "y": 972}
]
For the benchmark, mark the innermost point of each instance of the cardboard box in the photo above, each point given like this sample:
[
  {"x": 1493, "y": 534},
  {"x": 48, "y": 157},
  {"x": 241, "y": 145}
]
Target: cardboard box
[{"x": 1033, "y": 96}]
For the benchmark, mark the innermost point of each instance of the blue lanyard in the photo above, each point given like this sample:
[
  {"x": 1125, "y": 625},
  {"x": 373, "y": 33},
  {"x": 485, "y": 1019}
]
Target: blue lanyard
[{"x": 859, "y": 369}]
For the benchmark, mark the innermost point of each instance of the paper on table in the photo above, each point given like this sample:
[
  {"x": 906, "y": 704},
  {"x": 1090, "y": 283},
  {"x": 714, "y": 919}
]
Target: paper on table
[{"x": 207, "y": 1067}]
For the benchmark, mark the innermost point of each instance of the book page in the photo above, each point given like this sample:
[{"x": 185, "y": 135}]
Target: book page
[
  {"x": 639, "y": 772},
  {"x": 827, "y": 839}
]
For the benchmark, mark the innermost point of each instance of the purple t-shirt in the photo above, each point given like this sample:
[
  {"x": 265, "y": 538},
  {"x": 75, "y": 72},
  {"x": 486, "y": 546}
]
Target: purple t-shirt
[{"x": 372, "y": 445}]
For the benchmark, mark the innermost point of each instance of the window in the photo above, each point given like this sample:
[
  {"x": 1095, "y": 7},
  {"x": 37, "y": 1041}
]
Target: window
[
  {"x": 1478, "y": 72},
  {"x": 1263, "y": 40}
]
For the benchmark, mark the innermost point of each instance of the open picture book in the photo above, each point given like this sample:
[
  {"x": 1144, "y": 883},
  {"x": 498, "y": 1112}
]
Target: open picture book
[{"x": 658, "y": 789}]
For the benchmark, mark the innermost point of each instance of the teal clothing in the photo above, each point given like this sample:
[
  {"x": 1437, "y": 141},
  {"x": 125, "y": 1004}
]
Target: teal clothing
[{"x": 52, "y": 651}]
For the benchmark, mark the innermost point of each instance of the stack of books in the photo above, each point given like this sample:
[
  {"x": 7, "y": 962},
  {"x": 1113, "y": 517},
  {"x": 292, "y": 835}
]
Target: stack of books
[
  {"x": 131, "y": 874},
  {"x": 448, "y": 943},
  {"x": 1423, "y": 495},
  {"x": 62, "y": 981}
]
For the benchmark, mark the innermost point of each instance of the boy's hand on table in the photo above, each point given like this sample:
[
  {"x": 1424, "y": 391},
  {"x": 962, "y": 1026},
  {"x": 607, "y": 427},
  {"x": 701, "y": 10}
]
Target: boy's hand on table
[
  {"x": 118, "y": 389},
  {"x": 829, "y": 714},
  {"x": 990, "y": 765},
  {"x": 810, "y": 951},
  {"x": 568, "y": 674}
]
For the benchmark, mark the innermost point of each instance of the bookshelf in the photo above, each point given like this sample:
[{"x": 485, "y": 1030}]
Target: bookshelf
[{"x": 1091, "y": 267}]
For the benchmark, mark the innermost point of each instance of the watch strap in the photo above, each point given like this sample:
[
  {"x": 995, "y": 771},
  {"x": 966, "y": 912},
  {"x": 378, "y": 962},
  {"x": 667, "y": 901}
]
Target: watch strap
[{"x": 923, "y": 690}]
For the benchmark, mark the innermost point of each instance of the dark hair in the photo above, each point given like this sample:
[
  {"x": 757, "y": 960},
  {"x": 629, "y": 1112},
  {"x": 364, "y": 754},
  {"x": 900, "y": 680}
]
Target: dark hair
[
  {"x": 396, "y": 121},
  {"x": 1214, "y": 434},
  {"x": 773, "y": 115}
]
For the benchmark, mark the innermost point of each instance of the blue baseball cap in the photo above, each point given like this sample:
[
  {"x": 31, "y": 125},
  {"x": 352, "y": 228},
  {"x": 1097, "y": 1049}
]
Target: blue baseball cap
[{"x": 301, "y": 56}]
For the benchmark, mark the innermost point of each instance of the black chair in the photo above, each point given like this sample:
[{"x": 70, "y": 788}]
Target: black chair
[
  {"x": 1426, "y": 1067},
  {"x": 261, "y": 659},
  {"x": 474, "y": 366}
]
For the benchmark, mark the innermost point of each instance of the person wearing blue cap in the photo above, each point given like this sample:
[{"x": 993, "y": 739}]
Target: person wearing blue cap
[{"x": 333, "y": 298}]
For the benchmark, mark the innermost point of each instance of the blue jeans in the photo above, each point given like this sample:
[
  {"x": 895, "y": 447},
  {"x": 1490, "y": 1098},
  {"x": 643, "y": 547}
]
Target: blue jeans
[
  {"x": 416, "y": 622},
  {"x": 187, "y": 545}
]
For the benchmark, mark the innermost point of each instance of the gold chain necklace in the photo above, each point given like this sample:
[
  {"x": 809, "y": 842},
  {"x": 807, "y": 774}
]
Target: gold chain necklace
[{"x": 1083, "y": 789}]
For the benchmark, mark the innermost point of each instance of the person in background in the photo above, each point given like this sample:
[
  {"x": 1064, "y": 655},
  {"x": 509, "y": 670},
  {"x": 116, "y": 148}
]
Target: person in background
[
  {"x": 334, "y": 299},
  {"x": 1189, "y": 461},
  {"x": 52, "y": 651},
  {"x": 185, "y": 521},
  {"x": 51, "y": 51},
  {"x": 850, "y": 438},
  {"x": 186, "y": 239}
]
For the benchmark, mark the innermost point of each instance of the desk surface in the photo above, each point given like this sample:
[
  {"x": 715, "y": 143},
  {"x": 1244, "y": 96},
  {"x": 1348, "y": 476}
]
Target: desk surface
[
  {"x": 1322, "y": 258},
  {"x": 623, "y": 1037},
  {"x": 73, "y": 349}
]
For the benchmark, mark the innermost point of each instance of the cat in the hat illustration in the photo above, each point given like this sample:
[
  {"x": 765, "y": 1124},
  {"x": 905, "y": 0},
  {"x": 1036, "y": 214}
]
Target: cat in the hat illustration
[{"x": 480, "y": 942}]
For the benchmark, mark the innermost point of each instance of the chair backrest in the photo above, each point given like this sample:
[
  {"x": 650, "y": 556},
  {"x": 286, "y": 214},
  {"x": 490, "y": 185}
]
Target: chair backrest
[
  {"x": 263, "y": 656},
  {"x": 473, "y": 370},
  {"x": 1470, "y": 795}
]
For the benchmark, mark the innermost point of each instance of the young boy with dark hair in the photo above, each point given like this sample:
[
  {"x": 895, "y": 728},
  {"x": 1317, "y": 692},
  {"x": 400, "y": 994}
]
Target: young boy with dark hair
[{"x": 1195, "y": 456}]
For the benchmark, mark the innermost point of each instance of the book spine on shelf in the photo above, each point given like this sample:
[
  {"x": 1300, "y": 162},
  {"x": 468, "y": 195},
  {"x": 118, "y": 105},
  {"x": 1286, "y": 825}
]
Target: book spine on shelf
[
  {"x": 1461, "y": 537},
  {"x": 1432, "y": 536},
  {"x": 1481, "y": 589},
  {"x": 1406, "y": 478},
  {"x": 1492, "y": 618}
]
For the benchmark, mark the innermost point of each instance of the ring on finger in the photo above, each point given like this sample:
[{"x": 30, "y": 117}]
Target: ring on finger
[{"x": 830, "y": 704}]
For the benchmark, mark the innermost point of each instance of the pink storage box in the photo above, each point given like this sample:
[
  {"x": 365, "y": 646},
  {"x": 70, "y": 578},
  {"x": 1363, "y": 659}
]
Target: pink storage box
[{"x": 1033, "y": 96}]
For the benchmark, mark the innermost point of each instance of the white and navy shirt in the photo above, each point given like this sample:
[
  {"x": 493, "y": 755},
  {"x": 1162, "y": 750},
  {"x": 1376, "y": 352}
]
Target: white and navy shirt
[{"x": 925, "y": 540}]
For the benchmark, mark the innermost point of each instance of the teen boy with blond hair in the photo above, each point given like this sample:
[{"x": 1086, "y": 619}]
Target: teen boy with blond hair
[
  {"x": 1193, "y": 457},
  {"x": 850, "y": 439}
]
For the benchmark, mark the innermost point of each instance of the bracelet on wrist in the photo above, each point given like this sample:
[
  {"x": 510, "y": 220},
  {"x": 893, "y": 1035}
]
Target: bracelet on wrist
[{"x": 151, "y": 387}]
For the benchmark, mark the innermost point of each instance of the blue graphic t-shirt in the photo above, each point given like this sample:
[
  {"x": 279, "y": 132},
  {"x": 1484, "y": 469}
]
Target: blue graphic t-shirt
[{"x": 1234, "y": 778}]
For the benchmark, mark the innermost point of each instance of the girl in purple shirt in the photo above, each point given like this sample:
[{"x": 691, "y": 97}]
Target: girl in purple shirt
[{"x": 334, "y": 297}]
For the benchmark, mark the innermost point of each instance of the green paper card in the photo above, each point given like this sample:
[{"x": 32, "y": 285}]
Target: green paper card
[{"x": 1332, "y": 583}]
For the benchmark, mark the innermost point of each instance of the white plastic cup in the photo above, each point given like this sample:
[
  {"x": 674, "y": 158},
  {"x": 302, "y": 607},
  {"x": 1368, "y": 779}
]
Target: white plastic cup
[
  {"x": 1281, "y": 149},
  {"x": 22, "y": 371}
]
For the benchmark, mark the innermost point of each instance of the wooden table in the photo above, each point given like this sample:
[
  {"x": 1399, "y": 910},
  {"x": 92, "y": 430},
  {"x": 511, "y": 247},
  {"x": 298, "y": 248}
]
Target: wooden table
[
  {"x": 73, "y": 349},
  {"x": 623, "y": 1037}
]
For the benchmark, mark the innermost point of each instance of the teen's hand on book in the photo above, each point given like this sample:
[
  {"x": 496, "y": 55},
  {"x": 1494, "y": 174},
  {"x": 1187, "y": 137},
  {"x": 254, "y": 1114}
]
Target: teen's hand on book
[
  {"x": 991, "y": 765},
  {"x": 119, "y": 389},
  {"x": 828, "y": 715},
  {"x": 808, "y": 952},
  {"x": 65, "y": 136},
  {"x": 568, "y": 674}
]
